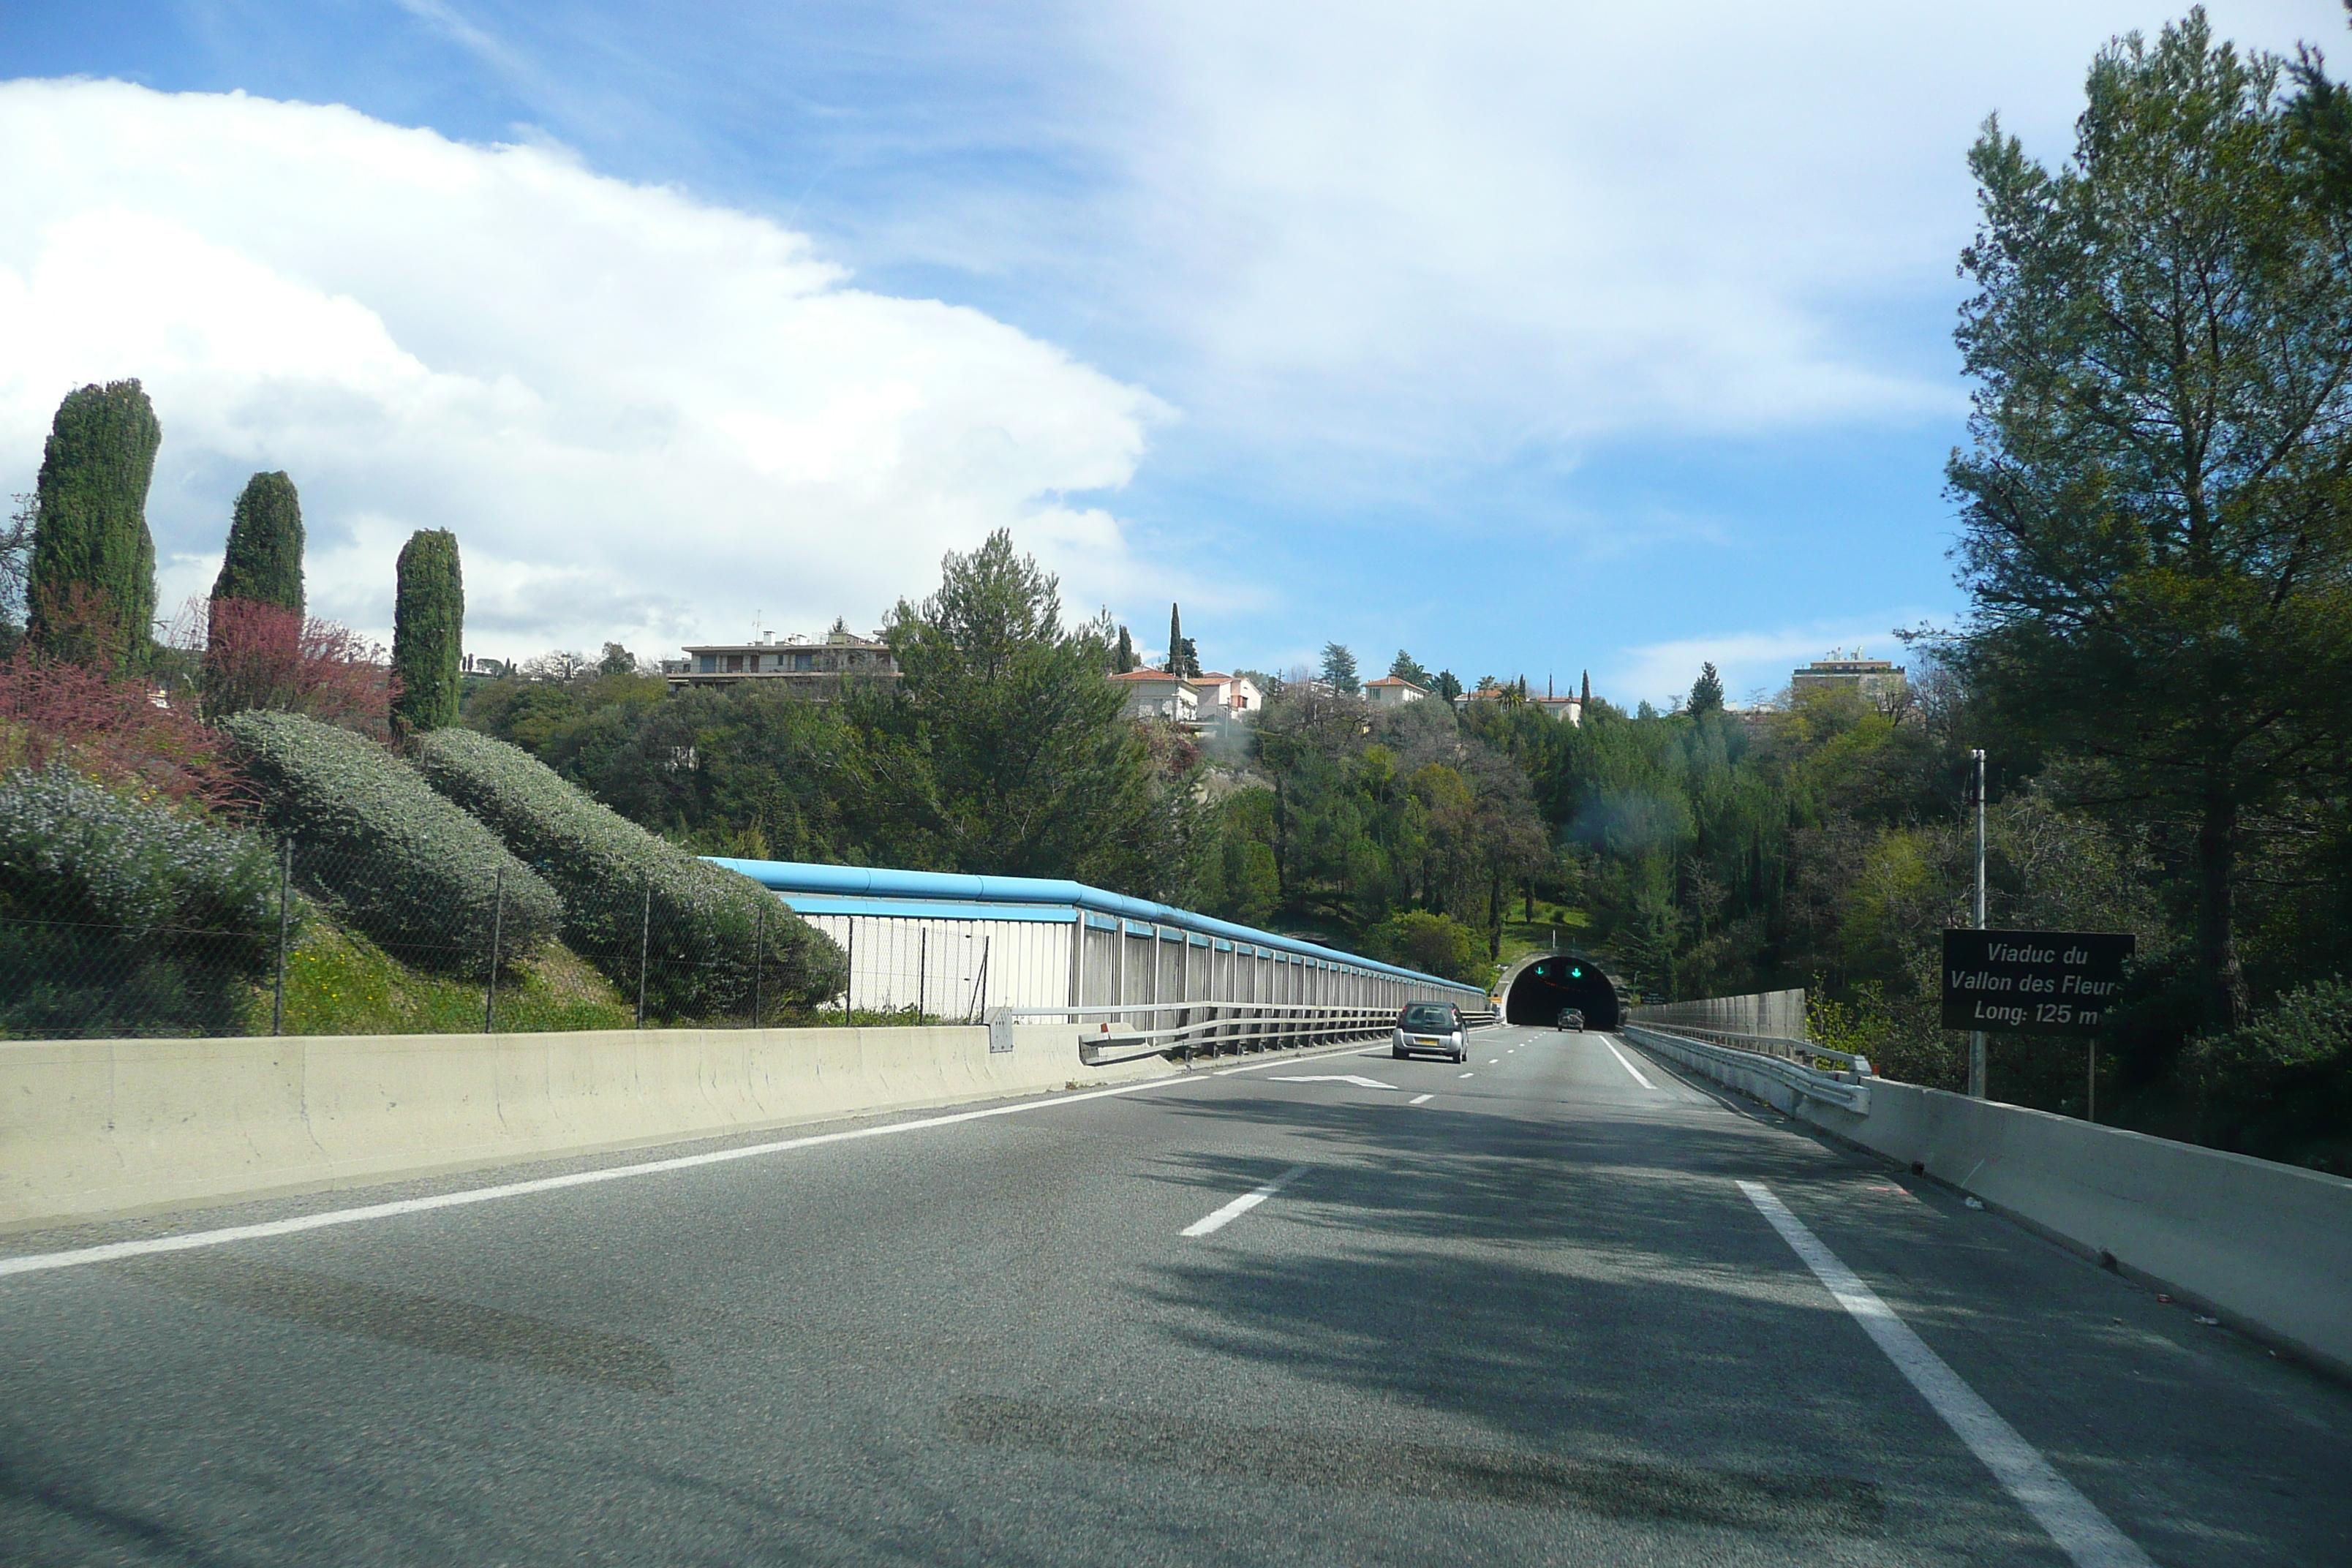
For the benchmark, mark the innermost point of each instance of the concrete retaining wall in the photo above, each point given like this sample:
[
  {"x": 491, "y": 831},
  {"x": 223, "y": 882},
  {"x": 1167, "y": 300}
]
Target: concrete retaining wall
[
  {"x": 2266, "y": 1246},
  {"x": 92, "y": 1129}
]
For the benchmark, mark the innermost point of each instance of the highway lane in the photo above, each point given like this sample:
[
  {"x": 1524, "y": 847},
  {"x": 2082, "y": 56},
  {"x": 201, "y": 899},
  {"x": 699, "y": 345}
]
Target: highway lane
[{"x": 1527, "y": 1315}]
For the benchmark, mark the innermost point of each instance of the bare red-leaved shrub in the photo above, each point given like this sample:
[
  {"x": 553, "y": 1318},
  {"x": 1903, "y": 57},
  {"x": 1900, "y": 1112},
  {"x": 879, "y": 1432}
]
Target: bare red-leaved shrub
[
  {"x": 253, "y": 656},
  {"x": 117, "y": 731}
]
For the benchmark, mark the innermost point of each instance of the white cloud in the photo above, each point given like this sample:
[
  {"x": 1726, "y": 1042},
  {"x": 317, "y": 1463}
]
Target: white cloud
[
  {"x": 1752, "y": 664},
  {"x": 1392, "y": 230},
  {"x": 645, "y": 416}
]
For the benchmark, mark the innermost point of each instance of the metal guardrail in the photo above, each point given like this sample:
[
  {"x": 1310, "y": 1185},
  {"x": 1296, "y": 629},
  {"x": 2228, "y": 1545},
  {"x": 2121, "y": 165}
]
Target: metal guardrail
[
  {"x": 1808, "y": 1070},
  {"x": 1846, "y": 1065},
  {"x": 1183, "y": 1030}
]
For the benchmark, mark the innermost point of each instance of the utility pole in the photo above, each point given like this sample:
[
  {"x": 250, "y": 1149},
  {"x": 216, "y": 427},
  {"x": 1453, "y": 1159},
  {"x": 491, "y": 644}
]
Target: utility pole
[{"x": 1976, "y": 1036}]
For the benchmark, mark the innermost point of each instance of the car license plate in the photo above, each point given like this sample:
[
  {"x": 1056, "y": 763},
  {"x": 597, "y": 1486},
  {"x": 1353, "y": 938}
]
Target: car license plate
[{"x": 1424, "y": 1041}]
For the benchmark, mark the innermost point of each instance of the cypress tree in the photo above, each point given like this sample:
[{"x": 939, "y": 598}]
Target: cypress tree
[
  {"x": 264, "y": 561},
  {"x": 91, "y": 587},
  {"x": 428, "y": 625},
  {"x": 1175, "y": 642}
]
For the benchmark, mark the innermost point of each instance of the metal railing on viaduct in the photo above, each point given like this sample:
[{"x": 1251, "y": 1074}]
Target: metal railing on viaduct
[{"x": 1136, "y": 976}]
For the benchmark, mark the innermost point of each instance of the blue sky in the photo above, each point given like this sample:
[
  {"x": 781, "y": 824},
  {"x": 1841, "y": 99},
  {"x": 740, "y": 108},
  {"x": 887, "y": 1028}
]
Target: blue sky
[{"x": 1531, "y": 338}]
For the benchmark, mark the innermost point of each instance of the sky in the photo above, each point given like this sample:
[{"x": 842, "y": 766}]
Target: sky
[{"x": 1531, "y": 338}]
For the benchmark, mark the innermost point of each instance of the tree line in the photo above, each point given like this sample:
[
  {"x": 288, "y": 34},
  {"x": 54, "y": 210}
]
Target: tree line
[{"x": 77, "y": 588}]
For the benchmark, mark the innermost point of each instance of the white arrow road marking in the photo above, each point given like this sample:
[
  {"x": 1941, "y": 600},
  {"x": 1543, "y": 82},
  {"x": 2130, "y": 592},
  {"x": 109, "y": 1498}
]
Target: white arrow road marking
[
  {"x": 1244, "y": 1204},
  {"x": 1421, "y": 1099},
  {"x": 1335, "y": 1077},
  {"x": 2074, "y": 1521}
]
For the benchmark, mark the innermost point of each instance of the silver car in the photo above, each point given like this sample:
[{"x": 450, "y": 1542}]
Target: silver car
[{"x": 1434, "y": 1027}]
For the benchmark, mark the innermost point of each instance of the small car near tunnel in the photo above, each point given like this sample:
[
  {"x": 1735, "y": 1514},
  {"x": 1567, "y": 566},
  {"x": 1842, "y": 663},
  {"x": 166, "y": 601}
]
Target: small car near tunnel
[
  {"x": 1571, "y": 1017},
  {"x": 1436, "y": 1029}
]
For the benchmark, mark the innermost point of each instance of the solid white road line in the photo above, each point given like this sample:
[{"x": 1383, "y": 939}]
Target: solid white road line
[
  {"x": 1629, "y": 1067},
  {"x": 1469, "y": 1075},
  {"x": 1244, "y": 1204},
  {"x": 1420, "y": 1098},
  {"x": 2074, "y": 1521},
  {"x": 1332, "y": 1077},
  {"x": 40, "y": 1262}
]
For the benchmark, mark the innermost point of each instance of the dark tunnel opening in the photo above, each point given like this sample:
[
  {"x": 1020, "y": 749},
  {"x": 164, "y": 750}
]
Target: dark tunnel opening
[{"x": 1564, "y": 980}]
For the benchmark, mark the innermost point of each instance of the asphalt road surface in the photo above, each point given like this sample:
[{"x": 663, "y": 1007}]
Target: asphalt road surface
[{"x": 1554, "y": 1305}]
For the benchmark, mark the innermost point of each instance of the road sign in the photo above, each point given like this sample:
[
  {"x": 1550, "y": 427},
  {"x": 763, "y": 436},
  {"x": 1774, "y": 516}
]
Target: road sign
[{"x": 2034, "y": 982}]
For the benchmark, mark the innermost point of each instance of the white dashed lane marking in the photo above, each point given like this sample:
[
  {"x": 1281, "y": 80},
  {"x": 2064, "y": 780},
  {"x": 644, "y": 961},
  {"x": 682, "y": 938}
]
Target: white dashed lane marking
[{"x": 1241, "y": 1205}]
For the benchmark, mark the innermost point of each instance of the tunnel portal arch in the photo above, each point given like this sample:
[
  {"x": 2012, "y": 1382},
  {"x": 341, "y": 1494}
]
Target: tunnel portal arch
[{"x": 1542, "y": 984}]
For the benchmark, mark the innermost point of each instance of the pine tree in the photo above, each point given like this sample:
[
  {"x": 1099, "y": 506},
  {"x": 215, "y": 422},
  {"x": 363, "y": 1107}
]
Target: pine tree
[
  {"x": 1706, "y": 691},
  {"x": 1339, "y": 670},
  {"x": 91, "y": 584},
  {"x": 428, "y": 625},
  {"x": 264, "y": 560}
]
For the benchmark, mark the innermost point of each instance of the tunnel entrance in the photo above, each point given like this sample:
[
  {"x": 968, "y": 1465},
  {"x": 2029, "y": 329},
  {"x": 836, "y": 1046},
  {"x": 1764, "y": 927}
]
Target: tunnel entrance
[{"x": 1561, "y": 980}]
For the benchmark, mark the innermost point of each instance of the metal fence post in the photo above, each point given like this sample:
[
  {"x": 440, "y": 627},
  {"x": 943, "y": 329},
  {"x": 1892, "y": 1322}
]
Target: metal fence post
[
  {"x": 285, "y": 885},
  {"x": 849, "y": 972},
  {"x": 1978, "y": 1074},
  {"x": 922, "y": 971},
  {"x": 759, "y": 951},
  {"x": 645, "y": 950},
  {"x": 498, "y": 933}
]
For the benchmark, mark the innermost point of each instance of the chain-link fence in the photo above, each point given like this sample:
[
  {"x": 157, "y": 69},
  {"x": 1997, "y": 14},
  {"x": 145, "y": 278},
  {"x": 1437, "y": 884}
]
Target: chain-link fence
[{"x": 302, "y": 939}]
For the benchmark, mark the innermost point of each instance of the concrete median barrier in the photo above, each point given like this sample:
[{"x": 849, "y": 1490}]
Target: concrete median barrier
[
  {"x": 98, "y": 1129},
  {"x": 2266, "y": 1246}
]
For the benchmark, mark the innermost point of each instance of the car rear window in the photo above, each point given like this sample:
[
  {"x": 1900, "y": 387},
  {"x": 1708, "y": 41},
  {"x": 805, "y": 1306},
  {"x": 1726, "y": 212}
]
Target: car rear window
[{"x": 1428, "y": 1017}]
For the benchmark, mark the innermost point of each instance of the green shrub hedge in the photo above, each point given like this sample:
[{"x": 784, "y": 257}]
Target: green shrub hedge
[
  {"x": 125, "y": 916},
  {"x": 392, "y": 858},
  {"x": 701, "y": 952}
]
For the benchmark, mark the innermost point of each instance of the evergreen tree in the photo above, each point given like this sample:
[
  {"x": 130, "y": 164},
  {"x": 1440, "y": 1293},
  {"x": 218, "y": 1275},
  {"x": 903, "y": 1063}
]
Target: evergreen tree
[
  {"x": 428, "y": 625},
  {"x": 1405, "y": 667},
  {"x": 1182, "y": 659},
  {"x": 91, "y": 585},
  {"x": 1706, "y": 691},
  {"x": 1125, "y": 658},
  {"x": 264, "y": 560},
  {"x": 1446, "y": 686},
  {"x": 1339, "y": 670},
  {"x": 2154, "y": 498}
]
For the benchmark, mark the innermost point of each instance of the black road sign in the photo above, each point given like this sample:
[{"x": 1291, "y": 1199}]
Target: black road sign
[{"x": 2033, "y": 982}]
